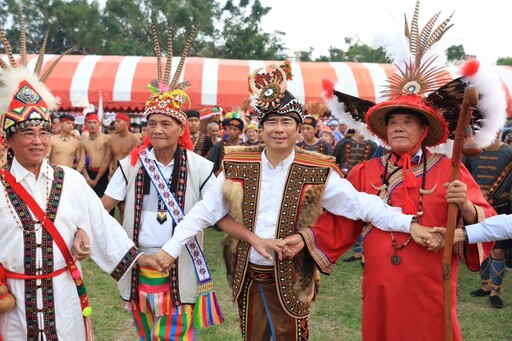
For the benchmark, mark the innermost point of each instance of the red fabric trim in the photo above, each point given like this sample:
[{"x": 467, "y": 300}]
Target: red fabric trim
[{"x": 16, "y": 275}]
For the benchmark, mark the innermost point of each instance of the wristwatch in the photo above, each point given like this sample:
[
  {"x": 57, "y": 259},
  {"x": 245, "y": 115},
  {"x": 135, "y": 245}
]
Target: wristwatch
[
  {"x": 465, "y": 234},
  {"x": 414, "y": 220}
]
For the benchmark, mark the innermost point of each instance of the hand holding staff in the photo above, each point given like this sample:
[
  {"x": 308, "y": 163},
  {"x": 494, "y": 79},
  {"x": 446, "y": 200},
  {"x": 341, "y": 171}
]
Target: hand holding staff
[{"x": 470, "y": 101}]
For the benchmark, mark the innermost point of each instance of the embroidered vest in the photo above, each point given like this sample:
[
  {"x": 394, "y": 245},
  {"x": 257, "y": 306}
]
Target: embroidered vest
[{"x": 301, "y": 207}]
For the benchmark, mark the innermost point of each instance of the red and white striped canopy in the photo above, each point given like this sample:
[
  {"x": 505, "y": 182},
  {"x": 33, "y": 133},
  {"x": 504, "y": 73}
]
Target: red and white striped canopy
[{"x": 121, "y": 80}]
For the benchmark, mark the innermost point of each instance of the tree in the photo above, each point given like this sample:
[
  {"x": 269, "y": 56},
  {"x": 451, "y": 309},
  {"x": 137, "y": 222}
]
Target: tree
[
  {"x": 455, "y": 53},
  {"x": 74, "y": 23},
  {"x": 242, "y": 37},
  {"x": 357, "y": 52},
  {"x": 504, "y": 61},
  {"x": 127, "y": 25}
]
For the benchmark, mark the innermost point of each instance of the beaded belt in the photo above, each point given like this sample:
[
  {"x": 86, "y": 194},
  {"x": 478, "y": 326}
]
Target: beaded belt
[{"x": 261, "y": 273}]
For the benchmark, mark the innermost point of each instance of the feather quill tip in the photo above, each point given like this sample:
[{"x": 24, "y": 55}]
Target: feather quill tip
[
  {"x": 470, "y": 67},
  {"x": 328, "y": 87}
]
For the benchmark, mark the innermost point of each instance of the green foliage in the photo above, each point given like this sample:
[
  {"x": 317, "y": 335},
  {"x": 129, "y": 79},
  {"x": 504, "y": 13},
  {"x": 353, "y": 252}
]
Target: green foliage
[
  {"x": 242, "y": 34},
  {"x": 456, "y": 53},
  {"x": 335, "y": 316},
  {"x": 123, "y": 27},
  {"x": 504, "y": 61}
]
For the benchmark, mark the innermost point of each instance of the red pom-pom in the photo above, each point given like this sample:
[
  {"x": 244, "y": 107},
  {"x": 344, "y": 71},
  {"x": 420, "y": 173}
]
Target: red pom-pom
[
  {"x": 470, "y": 67},
  {"x": 186, "y": 140},
  {"x": 328, "y": 87}
]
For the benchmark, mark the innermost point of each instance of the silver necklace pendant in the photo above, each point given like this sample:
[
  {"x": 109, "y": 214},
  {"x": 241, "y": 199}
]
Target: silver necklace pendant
[{"x": 395, "y": 259}]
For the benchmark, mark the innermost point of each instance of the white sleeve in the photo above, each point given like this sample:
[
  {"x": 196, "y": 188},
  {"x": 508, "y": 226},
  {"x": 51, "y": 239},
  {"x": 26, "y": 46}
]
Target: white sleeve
[
  {"x": 111, "y": 248},
  {"x": 341, "y": 198},
  {"x": 494, "y": 228},
  {"x": 204, "y": 213}
]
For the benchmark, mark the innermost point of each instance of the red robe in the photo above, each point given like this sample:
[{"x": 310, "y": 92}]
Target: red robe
[{"x": 405, "y": 301}]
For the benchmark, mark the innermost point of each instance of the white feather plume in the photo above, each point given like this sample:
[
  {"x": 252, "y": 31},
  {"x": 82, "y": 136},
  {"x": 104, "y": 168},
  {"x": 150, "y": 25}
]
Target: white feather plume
[{"x": 12, "y": 77}]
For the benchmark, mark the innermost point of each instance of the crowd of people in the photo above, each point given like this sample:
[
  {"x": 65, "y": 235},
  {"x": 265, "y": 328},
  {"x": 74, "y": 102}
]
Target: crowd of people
[{"x": 293, "y": 185}]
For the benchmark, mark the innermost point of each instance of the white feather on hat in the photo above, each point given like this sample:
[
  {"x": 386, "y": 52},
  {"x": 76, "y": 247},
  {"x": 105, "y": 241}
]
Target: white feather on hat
[{"x": 12, "y": 77}]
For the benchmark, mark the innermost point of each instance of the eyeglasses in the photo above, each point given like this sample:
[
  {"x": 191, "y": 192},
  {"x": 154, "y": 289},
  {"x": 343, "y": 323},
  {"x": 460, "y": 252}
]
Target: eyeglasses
[{"x": 31, "y": 135}]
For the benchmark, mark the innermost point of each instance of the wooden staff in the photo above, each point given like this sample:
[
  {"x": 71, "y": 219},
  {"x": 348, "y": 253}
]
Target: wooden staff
[{"x": 470, "y": 100}]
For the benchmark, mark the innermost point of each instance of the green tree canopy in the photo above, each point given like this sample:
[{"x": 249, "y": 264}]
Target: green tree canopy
[{"x": 123, "y": 27}]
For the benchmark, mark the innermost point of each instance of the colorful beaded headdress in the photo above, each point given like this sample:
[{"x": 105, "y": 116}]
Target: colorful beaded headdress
[
  {"x": 169, "y": 96},
  {"x": 415, "y": 88},
  {"x": 24, "y": 98},
  {"x": 270, "y": 94}
]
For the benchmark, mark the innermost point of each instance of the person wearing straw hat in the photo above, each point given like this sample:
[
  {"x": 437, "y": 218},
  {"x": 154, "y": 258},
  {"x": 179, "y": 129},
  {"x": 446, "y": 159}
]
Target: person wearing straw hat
[
  {"x": 272, "y": 191},
  {"x": 45, "y": 210},
  {"x": 251, "y": 132},
  {"x": 402, "y": 284}
]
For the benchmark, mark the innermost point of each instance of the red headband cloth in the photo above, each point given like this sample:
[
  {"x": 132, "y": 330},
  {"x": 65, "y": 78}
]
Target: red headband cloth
[
  {"x": 123, "y": 117},
  {"x": 63, "y": 119},
  {"x": 92, "y": 117}
]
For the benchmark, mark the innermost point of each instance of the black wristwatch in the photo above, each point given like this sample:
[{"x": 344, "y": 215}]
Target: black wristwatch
[
  {"x": 465, "y": 234},
  {"x": 414, "y": 220}
]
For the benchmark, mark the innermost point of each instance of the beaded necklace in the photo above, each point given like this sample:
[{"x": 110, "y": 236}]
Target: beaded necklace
[{"x": 395, "y": 259}]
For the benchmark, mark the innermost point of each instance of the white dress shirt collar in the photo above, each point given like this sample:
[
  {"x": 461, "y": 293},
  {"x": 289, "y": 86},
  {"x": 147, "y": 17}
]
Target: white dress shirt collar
[
  {"x": 20, "y": 172},
  {"x": 282, "y": 165}
]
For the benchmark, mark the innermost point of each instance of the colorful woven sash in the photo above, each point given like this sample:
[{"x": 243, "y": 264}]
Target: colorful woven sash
[{"x": 207, "y": 311}]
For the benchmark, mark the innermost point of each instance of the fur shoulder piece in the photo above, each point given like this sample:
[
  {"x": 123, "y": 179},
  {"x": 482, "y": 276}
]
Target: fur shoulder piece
[
  {"x": 249, "y": 149},
  {"x": 299, "y": 150}
]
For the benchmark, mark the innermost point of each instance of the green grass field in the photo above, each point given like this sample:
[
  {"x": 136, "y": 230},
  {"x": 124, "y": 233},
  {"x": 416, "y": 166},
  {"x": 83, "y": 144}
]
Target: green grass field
[{"x": 336, "y": 315}]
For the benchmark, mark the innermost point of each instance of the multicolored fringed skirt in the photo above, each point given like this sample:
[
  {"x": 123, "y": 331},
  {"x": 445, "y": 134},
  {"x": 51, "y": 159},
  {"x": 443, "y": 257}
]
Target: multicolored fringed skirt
[{"x": 155, "y": 317}]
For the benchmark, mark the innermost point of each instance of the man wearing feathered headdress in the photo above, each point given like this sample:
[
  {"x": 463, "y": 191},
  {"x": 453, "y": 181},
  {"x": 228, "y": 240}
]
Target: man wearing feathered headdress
[
  {"x": 44, "y": 207},
  {"x": 159, "y": 182},
  {"x": 272, "y": 191},
  {"x": 402, "y": 282}
]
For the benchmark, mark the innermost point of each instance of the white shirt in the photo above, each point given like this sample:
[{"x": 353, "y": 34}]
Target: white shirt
[
  {"x": 79, "y": 207},
  {"x": 152, "y": 234},
  {"x": 494, "y": 228},
  {"x": 339, "y": 197}
]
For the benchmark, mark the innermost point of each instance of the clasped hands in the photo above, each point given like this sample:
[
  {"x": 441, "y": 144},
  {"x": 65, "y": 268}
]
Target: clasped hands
[{"x": 431, "y": 238}]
